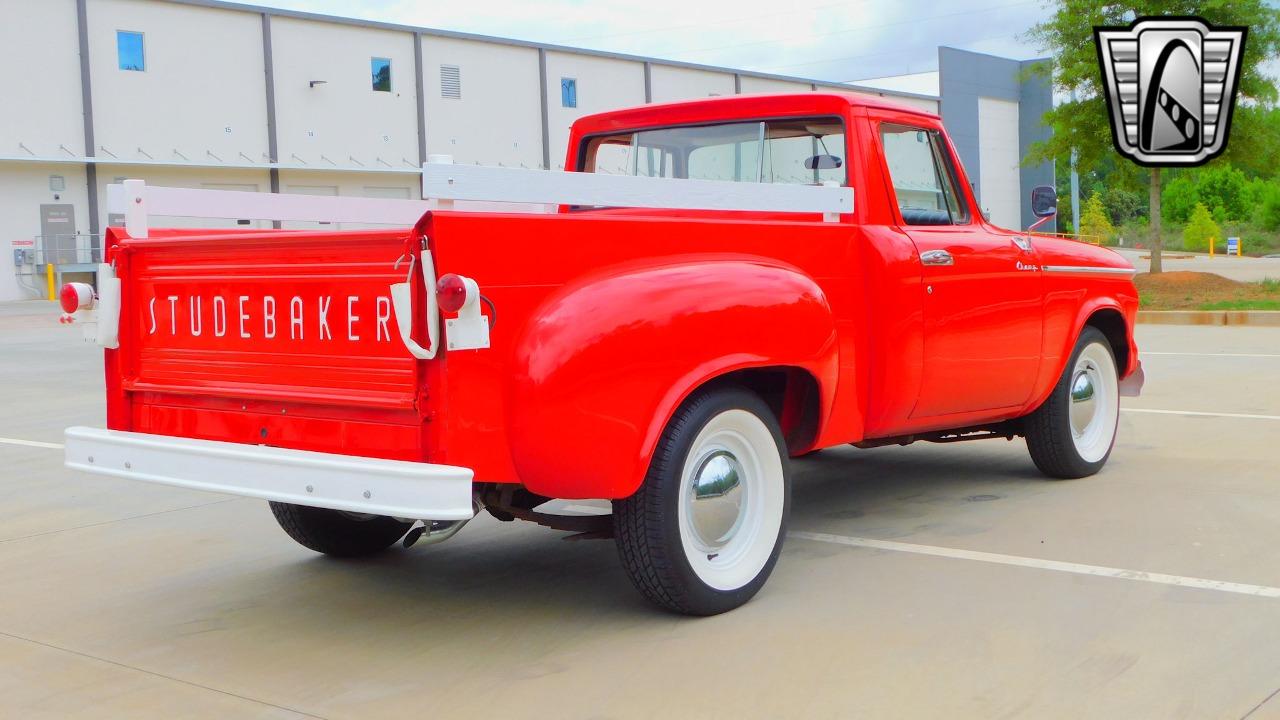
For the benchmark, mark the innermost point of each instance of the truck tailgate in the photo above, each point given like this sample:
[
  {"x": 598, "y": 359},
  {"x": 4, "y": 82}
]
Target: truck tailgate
[{"x": 269, "y": 337}]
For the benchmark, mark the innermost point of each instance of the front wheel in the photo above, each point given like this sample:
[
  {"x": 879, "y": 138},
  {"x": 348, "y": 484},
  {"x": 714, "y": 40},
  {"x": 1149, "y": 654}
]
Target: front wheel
[
  {"x": 1072, "y": 433},
  {"x": 703, "y": 532}
]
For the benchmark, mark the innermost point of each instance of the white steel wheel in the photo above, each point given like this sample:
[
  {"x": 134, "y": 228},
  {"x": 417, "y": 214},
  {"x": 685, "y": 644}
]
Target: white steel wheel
[
  {"x": 1095, "y": 402},
  {"x": 704, "y": 530},
  {"x": 731, "y": 498},
  {"x": 1071, "y": 435}
]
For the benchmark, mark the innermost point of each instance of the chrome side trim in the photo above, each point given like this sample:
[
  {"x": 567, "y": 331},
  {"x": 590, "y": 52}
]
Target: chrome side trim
[{"x": 1088, "y": 270}]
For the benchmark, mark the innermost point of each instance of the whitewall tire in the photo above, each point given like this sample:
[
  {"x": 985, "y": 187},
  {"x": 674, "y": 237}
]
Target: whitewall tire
[
  {"x": 703, "y": 532},
  {"x": 1071, "y": 435}
]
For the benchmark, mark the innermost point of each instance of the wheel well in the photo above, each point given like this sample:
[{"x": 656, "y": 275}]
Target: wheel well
[
  {"x": 792, "y": 394},
  {"x": 1111, "y": 323}
]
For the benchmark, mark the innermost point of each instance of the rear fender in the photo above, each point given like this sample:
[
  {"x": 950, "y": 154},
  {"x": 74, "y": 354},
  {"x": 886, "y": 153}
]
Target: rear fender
[{"x": 603, "y": 364}]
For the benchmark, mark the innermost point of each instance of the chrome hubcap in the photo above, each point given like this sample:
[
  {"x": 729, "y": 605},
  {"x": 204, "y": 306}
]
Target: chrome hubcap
[
  {"x": 716, "y": 500},
  {"x": 1084, "y": 403}
]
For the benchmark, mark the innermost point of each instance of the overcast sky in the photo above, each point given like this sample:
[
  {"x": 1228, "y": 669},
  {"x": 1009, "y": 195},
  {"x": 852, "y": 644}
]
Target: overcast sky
[{"x": 821, "y": 39}]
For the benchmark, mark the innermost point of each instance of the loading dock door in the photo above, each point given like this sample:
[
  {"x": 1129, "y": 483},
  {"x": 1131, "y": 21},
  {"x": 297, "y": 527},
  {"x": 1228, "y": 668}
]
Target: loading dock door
[{"x": 58, "y": 231}]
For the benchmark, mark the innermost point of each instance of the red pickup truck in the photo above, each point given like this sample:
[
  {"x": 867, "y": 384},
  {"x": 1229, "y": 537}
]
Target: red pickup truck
[{"x": 717, "y": 287}]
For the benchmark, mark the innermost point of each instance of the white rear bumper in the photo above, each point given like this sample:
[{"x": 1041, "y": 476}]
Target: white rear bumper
[{"x": 342, "y": 482}]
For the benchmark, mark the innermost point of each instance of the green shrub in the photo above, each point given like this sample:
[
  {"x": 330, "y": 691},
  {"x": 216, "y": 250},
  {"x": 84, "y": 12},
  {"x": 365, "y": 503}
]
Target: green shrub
[
  {"x": 1094, "y": 221},
  {"x": 1200, "y": 230}
]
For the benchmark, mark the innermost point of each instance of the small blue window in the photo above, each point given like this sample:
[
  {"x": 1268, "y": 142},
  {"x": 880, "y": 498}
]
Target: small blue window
[
  {"x": 568, "y": 92},
  {"x": 381, "y": 74},
  {"x": 129, "y": 50}
]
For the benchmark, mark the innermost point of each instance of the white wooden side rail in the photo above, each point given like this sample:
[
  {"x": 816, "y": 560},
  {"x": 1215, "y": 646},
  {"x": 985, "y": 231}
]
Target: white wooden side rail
[{"x": 476, "y": 188}]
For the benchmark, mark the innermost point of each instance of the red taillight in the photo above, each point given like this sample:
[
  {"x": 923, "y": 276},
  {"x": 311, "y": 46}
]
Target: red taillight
[
  {"x": 69, "y": 298},
  {"x": 75, "y": 296},
  {"x": 451, "y": 292}
]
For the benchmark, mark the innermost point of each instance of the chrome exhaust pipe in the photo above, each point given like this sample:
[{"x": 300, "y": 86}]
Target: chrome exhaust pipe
[{"x": 434, "y": 532}]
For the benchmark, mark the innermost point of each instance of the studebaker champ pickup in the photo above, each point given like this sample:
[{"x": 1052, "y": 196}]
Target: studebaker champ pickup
[{"x": 717, "y": 286}]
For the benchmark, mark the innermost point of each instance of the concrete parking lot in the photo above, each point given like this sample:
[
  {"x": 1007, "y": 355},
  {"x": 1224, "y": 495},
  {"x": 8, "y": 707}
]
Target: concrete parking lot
[
  {"x": 1243, "y": 269},
  {"x": 940, "y": 581}
]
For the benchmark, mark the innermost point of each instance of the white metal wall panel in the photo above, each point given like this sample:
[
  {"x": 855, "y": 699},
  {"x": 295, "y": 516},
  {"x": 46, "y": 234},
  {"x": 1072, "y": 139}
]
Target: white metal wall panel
[
  {"x": 40, "y": 78},
  {"x": 670, "y": 84},
  {"x": 603, "y": 84},
  {"x": 387, "y": 185},
  {"x": 208, "y": 178},
  {"x": 23, "y": 187},
  {"x": 344, "y": 122},
  {"x": 999, "y": 160},
  {"x": 756, "y": 86},
  {"x": 497, "y": 120},
  {"x": 200, "y": 98},
  {"x": 921, "y": 103}
]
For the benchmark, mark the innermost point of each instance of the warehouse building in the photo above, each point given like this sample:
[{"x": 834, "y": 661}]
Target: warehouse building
[{"x": 201, "y": 93}]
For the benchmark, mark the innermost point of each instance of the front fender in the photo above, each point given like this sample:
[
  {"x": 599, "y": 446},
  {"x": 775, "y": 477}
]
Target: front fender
[
  {"x": 605, "y": 361},
  {"x": 1058, "y": 351}
]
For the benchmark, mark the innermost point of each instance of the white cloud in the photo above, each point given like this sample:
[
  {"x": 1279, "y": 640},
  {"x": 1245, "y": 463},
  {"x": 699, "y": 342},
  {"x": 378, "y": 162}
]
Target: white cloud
[{"x": 821, "y": 39}]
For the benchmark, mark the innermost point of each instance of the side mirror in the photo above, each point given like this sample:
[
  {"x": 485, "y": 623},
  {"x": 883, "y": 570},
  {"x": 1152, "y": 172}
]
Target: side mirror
[
  {"x": 1044, "y": 201},
  {"x": 822, "y": 162}
]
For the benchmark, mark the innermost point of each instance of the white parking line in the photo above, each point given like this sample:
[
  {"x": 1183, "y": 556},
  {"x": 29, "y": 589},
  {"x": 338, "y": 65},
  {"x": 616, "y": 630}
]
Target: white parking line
[
  {"x": 1195, "y": 354},
  {"x": 30, "y": 443},
  {"x": 1038, "y": 564},
  {"x": 1197, "y": 413}
]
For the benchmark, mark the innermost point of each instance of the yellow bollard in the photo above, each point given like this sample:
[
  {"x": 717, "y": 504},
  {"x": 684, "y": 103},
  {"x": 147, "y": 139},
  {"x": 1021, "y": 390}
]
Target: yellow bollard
[
  {"x": 48, "y": 274},
  {"x": 1210, "y": 248}
]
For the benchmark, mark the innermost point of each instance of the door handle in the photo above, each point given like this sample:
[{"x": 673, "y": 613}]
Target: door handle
[
  {"x": 936, "y": 257},
  {"x": 1024, "y": 244}
]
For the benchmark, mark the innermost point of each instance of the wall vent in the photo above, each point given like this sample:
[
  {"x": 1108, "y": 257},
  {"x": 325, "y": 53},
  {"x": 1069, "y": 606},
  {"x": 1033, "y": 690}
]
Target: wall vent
[{"x": 450, "y": 82}]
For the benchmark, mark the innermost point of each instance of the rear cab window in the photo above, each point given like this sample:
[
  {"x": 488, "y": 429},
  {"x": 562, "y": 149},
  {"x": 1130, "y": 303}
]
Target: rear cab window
[
  {"x": 923, "y": 176},
  {"x": 792, "y": 151}
]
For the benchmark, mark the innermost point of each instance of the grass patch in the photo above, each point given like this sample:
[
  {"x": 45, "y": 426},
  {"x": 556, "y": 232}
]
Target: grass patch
[
  {"x": 1242, "y": 305},
  {"x": 1185, "y": 290}
]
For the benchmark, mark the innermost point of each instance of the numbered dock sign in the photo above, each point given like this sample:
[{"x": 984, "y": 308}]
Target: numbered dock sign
[{"x": 1233, "y": 246}]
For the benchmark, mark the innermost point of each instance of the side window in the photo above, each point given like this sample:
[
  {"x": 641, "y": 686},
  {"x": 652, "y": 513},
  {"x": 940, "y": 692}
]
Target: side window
[{"x": 922, "y": 175}]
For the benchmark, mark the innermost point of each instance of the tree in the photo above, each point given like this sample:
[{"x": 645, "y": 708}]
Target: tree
[
  {"x": 1082, "y": 124},
  {"x": 1179, "y": 197},
  {"x": 1093, "y": 221},
  {"x": 1200, "y": 230},
  {"x": 1269, "y": 207},
  {"x": 1122, "y": 205},
  {"x": 1223, "y": 188}
]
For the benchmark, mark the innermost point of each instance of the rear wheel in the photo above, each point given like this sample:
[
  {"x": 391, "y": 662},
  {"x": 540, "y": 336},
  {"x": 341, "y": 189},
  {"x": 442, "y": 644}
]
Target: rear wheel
[
  {"x": 1072, "y": 433},
  {"x": 338, "y": 533},
  {"x": 703, "y": 532}
]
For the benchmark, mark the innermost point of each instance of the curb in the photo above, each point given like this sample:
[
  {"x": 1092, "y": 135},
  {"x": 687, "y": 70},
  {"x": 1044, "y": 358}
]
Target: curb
[{"x": 1256, "y": 318}]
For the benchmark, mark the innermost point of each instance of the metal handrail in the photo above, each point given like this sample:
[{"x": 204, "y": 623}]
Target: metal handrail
[
  {"x": 68, "y": 249},
  {"x": 1091, "y": 239}
]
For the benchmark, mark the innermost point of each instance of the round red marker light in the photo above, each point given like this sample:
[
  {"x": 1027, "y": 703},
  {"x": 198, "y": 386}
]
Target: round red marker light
[
  {"x": 69, "y": 298},
  {"x": 451, "y": 292}
]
